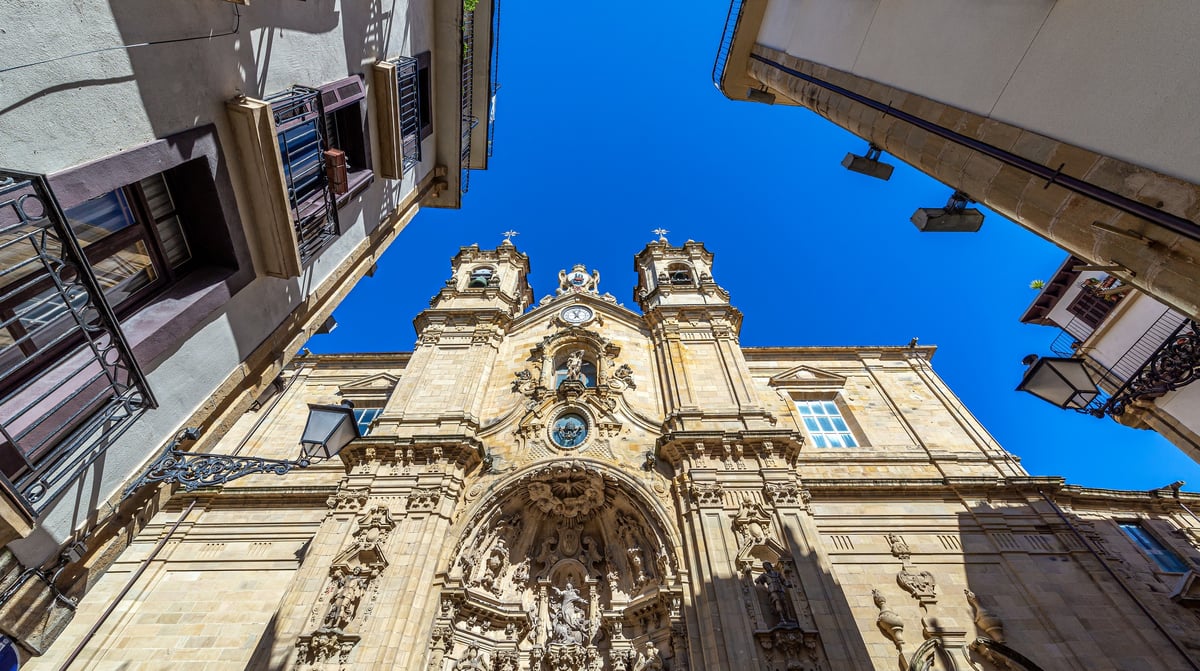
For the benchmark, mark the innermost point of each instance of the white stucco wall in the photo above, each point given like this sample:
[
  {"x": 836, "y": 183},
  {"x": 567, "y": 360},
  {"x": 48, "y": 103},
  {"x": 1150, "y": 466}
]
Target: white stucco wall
[
  {"x": 61, "y": 114},
  {"x": 1112, "y": 76}
]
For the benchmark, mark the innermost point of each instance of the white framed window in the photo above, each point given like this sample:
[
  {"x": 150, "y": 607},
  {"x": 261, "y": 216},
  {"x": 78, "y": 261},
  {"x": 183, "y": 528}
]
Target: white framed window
[
  {"x": 825, "y": 425},
  {"x": 365, "y": 418}
]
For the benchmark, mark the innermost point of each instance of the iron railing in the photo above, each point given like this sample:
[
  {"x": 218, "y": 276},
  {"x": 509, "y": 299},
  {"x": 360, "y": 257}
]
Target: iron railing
[
  {"x": 732, "y": 21},
  {"x": 493, "y": 76},
  {"x": 69, "y": 383},
  {"x": 468, "y": 97},
  {"x": 409, "y": 92},
  {"x": 1070, "y": 337},
  {"x": 300, "y": 128},
  {"x": 1165, "y": 358}
]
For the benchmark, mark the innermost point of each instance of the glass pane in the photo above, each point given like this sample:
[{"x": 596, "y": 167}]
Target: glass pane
[
  {"x": 826, "y": 425},
  {"x": 834, "y": 440},
  {"x": 804, "y": 408},
  {"x": 848, "y": 440},
  {"x": 123, "y": 273},
  {"x": 840, "y": 424},
  {"x": 811, "y": 424},
  {"x": 819, "y": 440},
  {"x": 100, "y": 217},
  {"x": 831, "y": 409}
]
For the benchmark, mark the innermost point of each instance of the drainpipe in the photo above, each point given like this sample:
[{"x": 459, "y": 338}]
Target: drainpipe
[
  {"x": 1146, "y": 611},
  {"x": 1179, "y": 225},
  {"x": 87, "y": 638}
]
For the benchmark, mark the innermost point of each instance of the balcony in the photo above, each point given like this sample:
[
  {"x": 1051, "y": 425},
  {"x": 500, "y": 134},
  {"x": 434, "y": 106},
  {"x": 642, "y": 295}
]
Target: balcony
[
  {"x": 469, "y": 121},
  {"x": 69, "y": 384}
]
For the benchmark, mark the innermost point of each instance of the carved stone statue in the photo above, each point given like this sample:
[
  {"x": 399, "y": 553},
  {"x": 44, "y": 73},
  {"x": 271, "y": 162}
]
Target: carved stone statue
[
  {"x": 988, "y": 623},
  {"x": 648, "y": 659},
  {"x": 776, "y": 587},
  {"x": 567, "y": 620},
  {"x": 347, "y": 590},
  {"x": 474, "y": 660},
  {"x": 575, "y": 366}
]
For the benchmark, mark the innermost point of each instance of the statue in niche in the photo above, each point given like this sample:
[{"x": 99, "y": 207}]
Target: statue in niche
[
  {"x": 637, "y": 567},
  {"x": 575, "y": 366},
  {"x": 591, "y": 551},
  {"x": 473, "y": 661},
  {"x": 347, "y": 590},
  {"x": 568, "y": 620},
  {"x": 649, "y": 659},
  {"x": 494, "y": 567},
  {"x": 776, "y": 587}
]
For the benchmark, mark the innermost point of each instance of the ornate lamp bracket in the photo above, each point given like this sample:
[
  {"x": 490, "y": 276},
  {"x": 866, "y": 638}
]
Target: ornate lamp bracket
[{"x": 206, "y": 470}]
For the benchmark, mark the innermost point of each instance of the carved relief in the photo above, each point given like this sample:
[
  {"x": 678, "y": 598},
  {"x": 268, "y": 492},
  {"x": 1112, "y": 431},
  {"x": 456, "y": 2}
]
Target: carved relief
[
  {"x": 786, "y": 494},
  {"x": 988, "y": 623},
  {"x": 348, "y": 500},
  {"x": 920, "y": 584},
  {"x": 571, "y": 489},
  {"x": 889, "y": 622},
  {"x": 899, "y": 547},
  {"x": 752, "y": 524},
  {"x": 424, "y": 498},
  {"x": 707, "y": 493}
]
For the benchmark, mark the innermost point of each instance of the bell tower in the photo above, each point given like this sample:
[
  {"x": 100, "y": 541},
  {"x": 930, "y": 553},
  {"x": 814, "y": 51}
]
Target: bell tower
[
  {"x": 442, "y": 389},
  {"x": 706, "y": 381}
]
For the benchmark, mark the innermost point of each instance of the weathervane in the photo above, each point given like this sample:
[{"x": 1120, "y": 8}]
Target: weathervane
[
  {"x": 661, "y": 233},
  {"x": 508, "y": 235}
]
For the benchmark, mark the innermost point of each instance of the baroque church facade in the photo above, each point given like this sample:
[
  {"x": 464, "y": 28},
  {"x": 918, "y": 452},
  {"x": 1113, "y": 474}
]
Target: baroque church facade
[{"x": 572, "y": 485}]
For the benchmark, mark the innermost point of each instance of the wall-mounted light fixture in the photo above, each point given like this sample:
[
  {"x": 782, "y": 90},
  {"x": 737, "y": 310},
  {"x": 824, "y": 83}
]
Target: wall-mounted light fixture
[
  {"x": 955, "y": 217},
  {"x": 869, "y": 165}
]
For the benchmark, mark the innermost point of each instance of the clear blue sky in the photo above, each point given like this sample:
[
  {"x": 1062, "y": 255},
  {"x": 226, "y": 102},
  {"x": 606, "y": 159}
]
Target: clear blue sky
[{"x": 608, "y": 126}]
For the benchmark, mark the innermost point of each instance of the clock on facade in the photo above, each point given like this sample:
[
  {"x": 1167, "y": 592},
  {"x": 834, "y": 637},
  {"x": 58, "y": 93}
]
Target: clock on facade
[{"x": 576, "y": 314}]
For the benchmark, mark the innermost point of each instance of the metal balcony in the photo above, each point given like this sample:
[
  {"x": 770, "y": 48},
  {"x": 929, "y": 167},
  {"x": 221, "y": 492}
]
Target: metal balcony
[
  {"x": 69, "y": 384},
  {"x": 468, "y": 96},
  {"x": 732, "y": 21}
]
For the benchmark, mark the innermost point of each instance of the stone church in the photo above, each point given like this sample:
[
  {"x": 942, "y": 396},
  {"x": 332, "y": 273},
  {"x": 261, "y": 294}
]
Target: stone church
[{"x": 568, "y": 484}]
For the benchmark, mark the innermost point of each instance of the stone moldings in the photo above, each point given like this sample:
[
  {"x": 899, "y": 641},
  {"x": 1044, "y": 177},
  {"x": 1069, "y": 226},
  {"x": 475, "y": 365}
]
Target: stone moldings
[{"x": 349, "y": 595}]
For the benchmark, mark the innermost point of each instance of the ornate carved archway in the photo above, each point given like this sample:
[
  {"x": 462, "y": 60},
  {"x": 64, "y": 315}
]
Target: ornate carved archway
[{"x": 567, "y": 567}]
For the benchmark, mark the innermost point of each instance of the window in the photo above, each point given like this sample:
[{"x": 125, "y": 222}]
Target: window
[
  {"x": 1091, "y": 307},
  {"x": 416, "y": 119},
  {"x": 365, "y": 418},
  {"x": 1166, "y": 560},
  {"x": 825, "y": 425},
  {"x": 323, "y": 147},
  {"x": 134, "y": 240},
  {"x": 480, "y": 278},
  {"x": 345, "y": 132}
]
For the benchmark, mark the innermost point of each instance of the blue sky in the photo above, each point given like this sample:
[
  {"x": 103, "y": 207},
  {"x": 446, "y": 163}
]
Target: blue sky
[{"x": 608, "y": 126}]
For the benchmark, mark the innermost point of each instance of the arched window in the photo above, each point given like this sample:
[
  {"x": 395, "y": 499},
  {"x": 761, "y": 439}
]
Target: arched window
[
  {"x": 679, "y": 274},
  {"x": 574, "y": 365},
  {"x": 480, "y": 278}
]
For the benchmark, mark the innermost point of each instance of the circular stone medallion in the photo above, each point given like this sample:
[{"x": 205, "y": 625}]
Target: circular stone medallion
[{"x": 569, "y": 430}]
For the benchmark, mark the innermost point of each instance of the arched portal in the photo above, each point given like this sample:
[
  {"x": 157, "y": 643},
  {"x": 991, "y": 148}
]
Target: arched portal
[{"x": 568, "y": 567}]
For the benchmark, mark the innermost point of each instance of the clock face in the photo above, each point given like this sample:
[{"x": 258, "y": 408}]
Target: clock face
[{"x": 576, "y": 314}]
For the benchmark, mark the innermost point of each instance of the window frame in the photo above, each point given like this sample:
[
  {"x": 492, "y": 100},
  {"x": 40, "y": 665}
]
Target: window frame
[
  {"x": 1152, "y": 554},
  {"x": 820, "y": 434}
]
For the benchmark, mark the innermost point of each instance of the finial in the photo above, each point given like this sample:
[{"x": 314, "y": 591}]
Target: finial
[
  {"x": 508, "y": 236},
  {"x": 661, "y": 233}
]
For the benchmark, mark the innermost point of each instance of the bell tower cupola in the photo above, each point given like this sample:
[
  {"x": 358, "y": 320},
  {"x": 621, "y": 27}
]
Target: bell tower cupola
[
  {"x": 676, "y": 276},
  {"x": 487, "y": 279}
]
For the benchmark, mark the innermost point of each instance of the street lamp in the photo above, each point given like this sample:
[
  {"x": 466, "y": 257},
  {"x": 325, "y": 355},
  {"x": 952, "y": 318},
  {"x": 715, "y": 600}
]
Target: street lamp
[
  {"x": 955, "y": 217},
  {"x": 1061, "y": 381},
  {"x": 868, "y": 165},
  {"x": 329, "y": 429}
]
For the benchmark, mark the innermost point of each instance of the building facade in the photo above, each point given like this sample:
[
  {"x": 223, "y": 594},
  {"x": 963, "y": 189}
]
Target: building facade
[
  {"x": 186, "y": 193},
  {"x": 1143, "y": 355},
  {"x": 1071, "y": 120},
  {"x": 572, "y": 484}
]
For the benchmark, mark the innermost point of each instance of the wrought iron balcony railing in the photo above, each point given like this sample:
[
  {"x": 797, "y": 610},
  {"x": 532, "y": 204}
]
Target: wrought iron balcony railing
[
  {"x": 69, "y": 384},
  {"x": 732, "y": 20},
  {"x": 1165, "y": 358},
  {"x": 300, "y": 126},
  {"x": 468, "y": 96},
  {"x": 409, "y": 91},
  {"x": 493, "y": 76}
]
